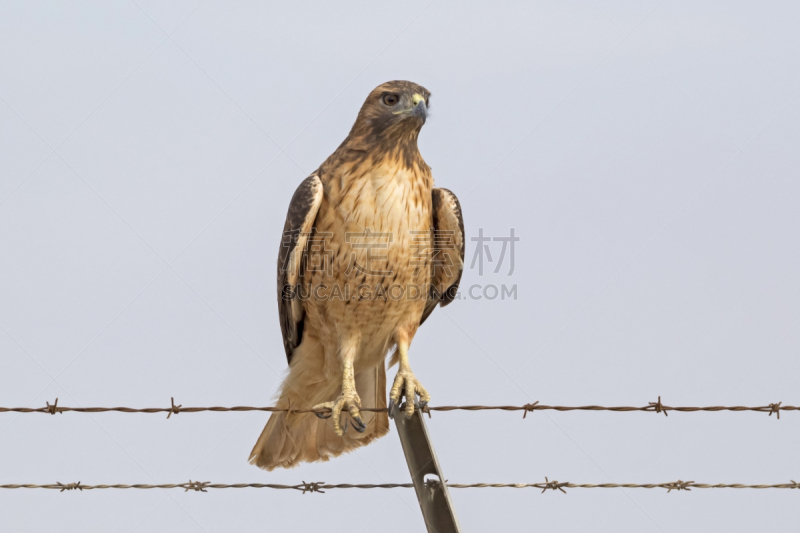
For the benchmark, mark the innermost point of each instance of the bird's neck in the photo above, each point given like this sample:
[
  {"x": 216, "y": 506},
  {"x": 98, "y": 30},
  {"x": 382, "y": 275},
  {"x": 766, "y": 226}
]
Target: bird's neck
[{"x": 396, "y": 144}]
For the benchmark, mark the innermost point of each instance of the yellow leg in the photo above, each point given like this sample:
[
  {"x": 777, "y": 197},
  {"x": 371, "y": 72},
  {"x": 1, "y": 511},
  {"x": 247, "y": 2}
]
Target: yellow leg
[
  {"x": 406, "y": 383},
  {"x": 348, "y": 399}
]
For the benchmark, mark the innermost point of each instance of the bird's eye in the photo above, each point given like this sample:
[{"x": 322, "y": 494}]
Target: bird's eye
[{"x": 390, "y": 99}]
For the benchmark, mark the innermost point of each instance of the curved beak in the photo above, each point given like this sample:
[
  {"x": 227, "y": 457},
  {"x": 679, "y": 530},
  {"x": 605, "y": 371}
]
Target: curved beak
[{"x": 420, "y": 109}]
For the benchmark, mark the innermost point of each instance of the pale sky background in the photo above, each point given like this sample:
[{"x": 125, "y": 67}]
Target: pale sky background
[{"x": 646, "y": 154}]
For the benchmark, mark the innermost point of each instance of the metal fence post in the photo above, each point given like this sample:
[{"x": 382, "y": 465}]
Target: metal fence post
[{"x": 434, "y": 498}]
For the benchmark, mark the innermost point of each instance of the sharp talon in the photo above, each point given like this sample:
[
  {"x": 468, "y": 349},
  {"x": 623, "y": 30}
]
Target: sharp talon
[
  {"x": 360, "y": 423},
  {"x": 344, "y": 430},
  {"x": 391, "y": 408},
  {"x": 423, "y": 404},
  {"x": 323, "y": 416},
  {"x": 360, "y": 429}
]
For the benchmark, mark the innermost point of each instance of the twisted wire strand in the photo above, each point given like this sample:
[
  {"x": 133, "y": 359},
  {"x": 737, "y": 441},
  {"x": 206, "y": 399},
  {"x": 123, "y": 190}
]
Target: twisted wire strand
[
  {"x": 321, "y": 486},
  {"x": 174, "y": 409}
]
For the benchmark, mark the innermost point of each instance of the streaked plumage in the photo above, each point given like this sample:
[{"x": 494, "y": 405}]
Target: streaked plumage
[{"x": 336, "y": 339}]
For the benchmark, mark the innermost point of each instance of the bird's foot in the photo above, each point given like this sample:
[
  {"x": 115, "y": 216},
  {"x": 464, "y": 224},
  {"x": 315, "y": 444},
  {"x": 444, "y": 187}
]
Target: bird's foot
[
  {"x": 348, "y": 401},
  {"x": 407, "y": 384}
]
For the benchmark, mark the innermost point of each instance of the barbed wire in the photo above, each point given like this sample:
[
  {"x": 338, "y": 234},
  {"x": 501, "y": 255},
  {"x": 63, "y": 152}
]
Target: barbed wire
[
  {"x": 321, "y": 486},
  {"x": 175, "y": 409}
]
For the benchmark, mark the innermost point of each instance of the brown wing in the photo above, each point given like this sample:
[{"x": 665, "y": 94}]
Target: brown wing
[
  {"x": 299, "y": 224},
  {"x": 448, "y": 245}
]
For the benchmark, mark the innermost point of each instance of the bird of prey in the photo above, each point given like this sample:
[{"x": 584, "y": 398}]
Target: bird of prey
[{"x": 370, "y": 247}]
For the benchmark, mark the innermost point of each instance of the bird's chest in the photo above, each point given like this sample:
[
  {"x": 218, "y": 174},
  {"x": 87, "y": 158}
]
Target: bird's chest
[
  {"x": 377, "y": 225},
  {"x": 368, "y": 269},
  {"x": 391, "y": 201}
]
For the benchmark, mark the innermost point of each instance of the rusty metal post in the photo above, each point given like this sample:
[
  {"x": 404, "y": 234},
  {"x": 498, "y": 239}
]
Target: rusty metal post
[{"x": 434, "y": 498}]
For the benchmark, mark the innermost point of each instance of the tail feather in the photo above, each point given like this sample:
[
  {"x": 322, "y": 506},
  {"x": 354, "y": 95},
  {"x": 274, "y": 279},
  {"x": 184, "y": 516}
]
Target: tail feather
[{"x": 291, "y": 438}]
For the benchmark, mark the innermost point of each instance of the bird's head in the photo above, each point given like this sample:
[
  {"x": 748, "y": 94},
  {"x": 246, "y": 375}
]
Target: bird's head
[{"x": 393, "y": 111}]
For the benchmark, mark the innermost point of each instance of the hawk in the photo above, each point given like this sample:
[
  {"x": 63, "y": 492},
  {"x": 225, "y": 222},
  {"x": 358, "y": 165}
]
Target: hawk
[{"x": 370, "y": 247}]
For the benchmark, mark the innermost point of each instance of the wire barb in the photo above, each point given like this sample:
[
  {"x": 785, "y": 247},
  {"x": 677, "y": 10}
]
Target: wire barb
[
  {"x": 53, "y": 409},
  {"x": 679, "y": 485},
  {"x": 197, "y": 486},
  {"x": 775, "y": 408},
  {"x": 425, "y": 409},
  {"x": 174, "y": 409},
  {"x": 554, "y": 485},
  {"x": 69, "y": 486},
  {"x": 659, "y": 407},
  {"x": 314, "y": 486},
  {"x": 529, "y": 408}
]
